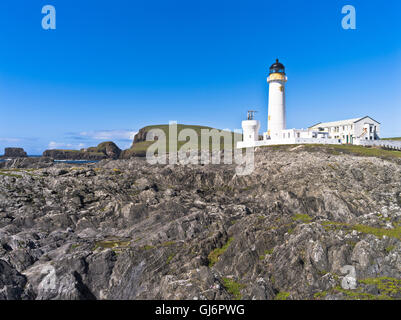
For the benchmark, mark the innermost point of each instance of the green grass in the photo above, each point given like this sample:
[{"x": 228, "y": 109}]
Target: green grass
[
  {"x": 320, "y": 295},
  {"x": 388, "y": 288},
  {"x": 302, "y": 217},
  {"x": 170, "y": 257},
  {"x": 216, "y": 253},
  {"x": 386, "y": 285},
  {"x": 168, "y": 243},
  {"x": 390, "y": 248},
  {"x": 148, "y": 247},
  {"x": 233, "y": 288},
  {"x": 396, "y": 139},
  {"x": 379, "y": 232},
  {"x": 6, "y": 173},
  {"x": 139, "y": 148},
  {"x": 358, "y": 295},
  {"x": 282, "y": 295},
  {"x": 111, "y": 244},
  {"x": 376, "y": 231},
  {"x": 270, "y": 251}
]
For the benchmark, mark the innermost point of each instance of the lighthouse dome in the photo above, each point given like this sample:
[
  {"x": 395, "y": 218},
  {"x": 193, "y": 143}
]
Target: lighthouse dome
[{"x": 277, "y": 67}]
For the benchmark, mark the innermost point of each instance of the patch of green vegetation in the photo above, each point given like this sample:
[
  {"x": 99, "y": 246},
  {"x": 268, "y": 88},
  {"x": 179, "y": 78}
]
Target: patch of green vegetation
[
  {"x": 111, "y": 244},
  {"x": 379, "y": 232},
  {"x": 270, "y": 251},
  {"x": 74, "y": 246},
  {"x": 262, "y": 257},
  {"x": 282, "y": 295},
  {"x": 390, "y": 248},
  {"x": 386, "y": 285},
  {"x": 358, "y": 295},
  {"x": 322, "y": 273},
  {"x": 366, "y": 152},
  {"x": 302, "y": 217},
  {"x": 216, "y": 253},
  {"x": 332, "y": 166},
  {"x": 8, "y": 174},
  {"x": 168, "y": 243},
  {"x": 170, "y": 257},
  {"x": 320, "y": 295},
  {"x": 396, "y": 139},
  {"x": 233, "y": 288},
  {"x": 148, "y": 247}
]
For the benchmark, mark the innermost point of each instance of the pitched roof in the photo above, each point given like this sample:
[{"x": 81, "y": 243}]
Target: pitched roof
[
  {"x": 340, "y": 123},
  {"x": 336, "y": 123}
]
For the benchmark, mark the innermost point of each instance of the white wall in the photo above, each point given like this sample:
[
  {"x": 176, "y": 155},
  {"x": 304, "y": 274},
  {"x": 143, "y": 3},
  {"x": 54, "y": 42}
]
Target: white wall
[
  {"x": 276, "y": 112},
  {"x": 391, "y": 144}
]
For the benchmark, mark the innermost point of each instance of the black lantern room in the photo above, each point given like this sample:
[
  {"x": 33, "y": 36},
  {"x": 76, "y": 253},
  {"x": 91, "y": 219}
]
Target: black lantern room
[{"x": 277, "y": 67}]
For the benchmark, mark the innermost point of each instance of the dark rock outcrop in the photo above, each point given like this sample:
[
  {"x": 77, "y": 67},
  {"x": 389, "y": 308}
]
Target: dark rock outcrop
[
  {"x": 125, "y": 229},
  {"x": 105, "y": 150},
  {"x": 108, "y": 148},
  {"x": 14, "y": 153},
  {"x": 73, "y": 155}
]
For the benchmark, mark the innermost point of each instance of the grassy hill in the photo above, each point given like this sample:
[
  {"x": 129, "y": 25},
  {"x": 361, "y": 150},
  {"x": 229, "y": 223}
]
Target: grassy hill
[
  {"x": 140, "y": 145},
  {"x": 396, "y": 139}
]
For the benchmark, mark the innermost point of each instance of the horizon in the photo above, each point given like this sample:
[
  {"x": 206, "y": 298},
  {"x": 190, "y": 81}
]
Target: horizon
[{"x": 107, "y": 71}]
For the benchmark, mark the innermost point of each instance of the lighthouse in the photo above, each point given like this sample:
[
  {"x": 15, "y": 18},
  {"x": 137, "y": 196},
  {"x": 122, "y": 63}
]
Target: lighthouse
[{"x": 276, "y": 113}]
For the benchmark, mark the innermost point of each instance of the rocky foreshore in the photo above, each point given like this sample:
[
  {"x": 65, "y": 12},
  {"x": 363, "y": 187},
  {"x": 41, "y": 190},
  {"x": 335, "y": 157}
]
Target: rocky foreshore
[{"x": 124, "y": 229}]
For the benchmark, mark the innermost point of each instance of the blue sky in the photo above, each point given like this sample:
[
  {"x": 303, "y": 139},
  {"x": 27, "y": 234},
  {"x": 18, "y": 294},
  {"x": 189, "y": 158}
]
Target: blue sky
[{"x": 112, "y": 67}]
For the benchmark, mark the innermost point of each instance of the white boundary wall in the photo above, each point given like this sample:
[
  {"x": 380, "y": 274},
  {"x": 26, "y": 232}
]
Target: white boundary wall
[
  {"x": 391, "y": 144},
  {"x": 274, "y": 142}
]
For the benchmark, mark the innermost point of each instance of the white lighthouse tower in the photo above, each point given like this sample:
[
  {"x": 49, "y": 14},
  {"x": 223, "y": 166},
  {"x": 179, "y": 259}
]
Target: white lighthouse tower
[{"x": 276, "y": 114}]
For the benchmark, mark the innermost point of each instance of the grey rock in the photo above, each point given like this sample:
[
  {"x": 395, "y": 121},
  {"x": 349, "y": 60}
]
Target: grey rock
[{"x": 124, "y": 229}]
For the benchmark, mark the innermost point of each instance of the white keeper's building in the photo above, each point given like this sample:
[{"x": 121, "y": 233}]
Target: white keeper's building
[{"x": 347, "y": 131}]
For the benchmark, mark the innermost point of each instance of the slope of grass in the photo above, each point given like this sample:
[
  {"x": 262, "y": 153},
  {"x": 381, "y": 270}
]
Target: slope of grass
[
  {"x": 139, "y": 148},
  {"x": 216, "y": 253},
  {"x": 396, "y": 139},
  {"x": 233, "y": 288}
]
